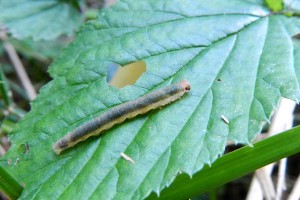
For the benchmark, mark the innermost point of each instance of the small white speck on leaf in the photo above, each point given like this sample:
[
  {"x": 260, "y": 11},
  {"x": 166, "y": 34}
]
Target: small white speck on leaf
[
  {"x": 126, "y": 157},
  {"x": 225, "y": 119}
]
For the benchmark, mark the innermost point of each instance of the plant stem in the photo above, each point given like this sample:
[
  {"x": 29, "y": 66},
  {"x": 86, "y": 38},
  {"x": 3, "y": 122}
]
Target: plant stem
[
  {"x": 9, "y": 185},
  {"x": 4, "y": 90}
]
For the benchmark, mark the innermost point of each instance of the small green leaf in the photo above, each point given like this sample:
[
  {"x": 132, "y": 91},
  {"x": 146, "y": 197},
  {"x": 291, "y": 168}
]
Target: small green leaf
[
  {"x": 275, "y": 5},
  {"x": 239, "y": 59},
  {"x": 39, "y": 19}
]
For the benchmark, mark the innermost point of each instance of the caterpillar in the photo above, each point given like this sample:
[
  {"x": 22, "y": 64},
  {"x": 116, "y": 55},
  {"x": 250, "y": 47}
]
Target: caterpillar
[{"x": 120, "y": 113}]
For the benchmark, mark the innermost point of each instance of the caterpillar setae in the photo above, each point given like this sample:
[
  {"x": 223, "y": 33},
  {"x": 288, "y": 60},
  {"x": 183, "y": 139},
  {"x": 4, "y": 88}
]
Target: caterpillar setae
[{"x": 120, "y": 113}]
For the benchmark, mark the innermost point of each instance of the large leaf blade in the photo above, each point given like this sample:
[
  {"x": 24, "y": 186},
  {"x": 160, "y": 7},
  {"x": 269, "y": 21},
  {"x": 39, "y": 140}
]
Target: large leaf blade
[{"x": 228, "y": 72}]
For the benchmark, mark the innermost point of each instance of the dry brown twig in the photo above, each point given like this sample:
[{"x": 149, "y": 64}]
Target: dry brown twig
[{"x": 12, "y": 53}]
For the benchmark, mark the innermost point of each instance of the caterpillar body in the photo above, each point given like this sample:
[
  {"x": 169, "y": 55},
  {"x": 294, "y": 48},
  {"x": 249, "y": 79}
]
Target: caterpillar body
[{"x": 120, "y": 113}]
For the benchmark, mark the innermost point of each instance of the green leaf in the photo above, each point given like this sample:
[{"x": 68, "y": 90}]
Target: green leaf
[
  {"x": 41, "y": 50},
  {"x": 39, "y": 19},
  {"x": 238, "y": 58},
  {"x": 292, "y": 7}
]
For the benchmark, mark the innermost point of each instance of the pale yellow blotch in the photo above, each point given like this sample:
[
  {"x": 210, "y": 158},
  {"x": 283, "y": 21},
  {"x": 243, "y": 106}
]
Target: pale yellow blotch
[{"x": 128, "y": 74}]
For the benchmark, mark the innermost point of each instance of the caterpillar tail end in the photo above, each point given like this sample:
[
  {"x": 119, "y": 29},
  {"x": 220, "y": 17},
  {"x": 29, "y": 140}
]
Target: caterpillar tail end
[
  {"x": 60, "y": 145},
  {"x": 56, "y": 148}
]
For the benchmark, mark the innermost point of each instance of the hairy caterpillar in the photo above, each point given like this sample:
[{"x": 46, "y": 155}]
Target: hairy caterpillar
[{"x": 120, "y": 113}]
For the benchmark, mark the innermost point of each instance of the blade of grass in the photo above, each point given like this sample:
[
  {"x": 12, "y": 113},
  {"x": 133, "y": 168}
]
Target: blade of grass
[
  {"x": 9, "y": 186},
  {"x": 234, "y": 165}
]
